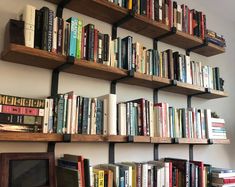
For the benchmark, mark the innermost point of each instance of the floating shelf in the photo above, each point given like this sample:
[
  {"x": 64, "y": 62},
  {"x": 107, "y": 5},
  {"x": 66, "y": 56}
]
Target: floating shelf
[
  {"x": 86, "y": 138},
  {"x": 161, "y": 140},
  {"x": 29, "y": 137},
  {"x": 48, "y": 60},
  {"x": 191, "y": 141},
  {"x": 219, "y": 141},
  {"x": 112, "y": 13}
]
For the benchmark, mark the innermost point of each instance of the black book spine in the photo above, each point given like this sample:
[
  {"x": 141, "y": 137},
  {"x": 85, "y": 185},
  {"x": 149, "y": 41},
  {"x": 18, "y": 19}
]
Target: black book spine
[
  {"x": 176, "y": 65},
  {"x": 45, "y": 18},
  {"x": 38, "y": 30},
  {"x": 217, "y": 78},
  {"x": 91, "y": 41},
  {"x": 85, "y": 115},
  {"x": 143, "y": 7},
  {"x": 87, "y": 172},
  {"x": 80, "y": 115},
  {"x": 60, "y": 35},
  {"x": 100, "y": 48},
  {"x": 50, "y": 30},
  {"x": 156, "y": 10},
  {"x": 124, "y": 54},
  {"x": 106, "y": 47}
]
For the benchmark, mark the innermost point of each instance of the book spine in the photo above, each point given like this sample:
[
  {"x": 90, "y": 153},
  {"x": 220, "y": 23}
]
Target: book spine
[
  {"x": 45, "y": 15},
  {"x": 73, "y": 35},
  {"x": 45, "y": 127},
  {"x": 38, "y": 29},
  {"x": 79, "y": 40},
  {"x": 50, "y": 116},
  {"x": 60, "y": 114},
  {"x": 50, "y": 30},
  {"x": 20, "y": 119},
  {"x": 60, "y": 35},
  {"x": 55, "y": 34},
  {"x": 99, "y": 117},
  {"x": 85, "y": 116}
]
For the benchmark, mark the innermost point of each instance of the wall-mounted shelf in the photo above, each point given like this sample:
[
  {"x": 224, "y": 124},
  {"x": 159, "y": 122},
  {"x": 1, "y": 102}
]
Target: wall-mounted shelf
[
  {"x": 29, "y": 137},
  {"x": 48, "y": 60},
  {"x": 194, "y": 141},
  {"x": 111, "y": 13}
]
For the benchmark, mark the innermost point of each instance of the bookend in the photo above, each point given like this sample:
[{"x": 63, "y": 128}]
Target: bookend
[
  {"x": 114, "y": 82},
  {"x": 159, "y": 38},
  {"x": 205, "y": 43},
  {"x": 60, "y": 7},
  {"x": 130, "y": 15}
]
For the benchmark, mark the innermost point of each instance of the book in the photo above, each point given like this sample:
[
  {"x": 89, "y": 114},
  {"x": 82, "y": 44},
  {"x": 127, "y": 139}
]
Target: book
[{"x": 67, "y": 177}]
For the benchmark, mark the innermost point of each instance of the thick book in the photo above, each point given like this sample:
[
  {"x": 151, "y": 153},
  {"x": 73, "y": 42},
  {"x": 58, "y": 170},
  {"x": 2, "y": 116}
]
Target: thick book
[
  {"x": 67, "y": 177},
  {"x": 73, "y": 36},
  {"x": 45, "y": 28}
]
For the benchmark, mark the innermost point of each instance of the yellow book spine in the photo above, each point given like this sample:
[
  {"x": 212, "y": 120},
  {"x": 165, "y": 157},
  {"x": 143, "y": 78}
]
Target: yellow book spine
[
  {"x": 130, "y": 4},
  {"x": 100, "y": 174}
]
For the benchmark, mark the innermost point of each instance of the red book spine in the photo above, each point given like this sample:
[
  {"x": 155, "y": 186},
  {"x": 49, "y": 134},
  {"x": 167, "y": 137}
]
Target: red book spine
[
  {"x": 189, "y": 21},
  {"x": 217, "y": 124},
  {"x": 81, "y": 160},
  {"x": 170, "y": 175},
  {"x": 21, "y": 110},
  {"x": 81, "y": 183},
  {"x": 148, "y": 9},
  {"x": 96, "y": 45},
  {"x": 202, "y": 26},
  {"x": 229, "y": 180},
  {"x": 170, "y": 13}
]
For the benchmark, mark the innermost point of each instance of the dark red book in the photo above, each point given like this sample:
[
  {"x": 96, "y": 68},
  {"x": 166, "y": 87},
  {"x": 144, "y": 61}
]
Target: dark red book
[
  {"x": 96, "y": 45},
  {"x": 200, "y": 174}
]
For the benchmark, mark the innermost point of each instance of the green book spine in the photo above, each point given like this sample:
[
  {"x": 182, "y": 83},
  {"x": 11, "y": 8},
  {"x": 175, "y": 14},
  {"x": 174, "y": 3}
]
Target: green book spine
[{"x": 79, "y": 40}]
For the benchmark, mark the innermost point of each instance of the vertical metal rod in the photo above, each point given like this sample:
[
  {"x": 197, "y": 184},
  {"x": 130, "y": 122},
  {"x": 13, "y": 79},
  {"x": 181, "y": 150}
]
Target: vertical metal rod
[
  {"x": 191, "y": 152},
  {"x": 155, "y": 44},
  {"x": 111, "y": 153},
  {"x": 155, "y": 96},
  {"x": 54, "y": 82},
  {"x": 189, "y": 101},
  {"x": 113, "y": 86},
  {"x": 51, "y": 147},
  {"x": 156, "y": 151}
]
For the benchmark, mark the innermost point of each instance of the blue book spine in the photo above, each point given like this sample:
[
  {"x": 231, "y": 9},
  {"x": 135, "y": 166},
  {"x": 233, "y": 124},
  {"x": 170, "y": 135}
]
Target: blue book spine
[
  {"x": 73, "y": 35},
  {"x": 60, "y": 116}
]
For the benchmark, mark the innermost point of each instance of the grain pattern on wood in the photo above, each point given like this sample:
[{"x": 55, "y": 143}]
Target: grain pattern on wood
[
  {"x": 141, "y": 139},
  {"x": 161, "y": 140},
  {"x": 86, "y": 138},
  {"x": 96, "y": 70},
  {"x": 192, "y": 141},
  {"x": 159, "y": 82},
  {"x": 33, "y": 57},
  {"x": 210, "y": 50},
  {"x": 29, "y": 137},
  {"x": 115, "y": 138},
  {"x": 214, "y": 94}
]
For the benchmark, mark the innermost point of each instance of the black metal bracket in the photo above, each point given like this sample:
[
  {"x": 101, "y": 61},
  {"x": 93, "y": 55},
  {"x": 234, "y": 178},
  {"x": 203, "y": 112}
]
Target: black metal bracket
[
  {"x": 56, "y": 72},
  {"x": 51, "y": 147},
  {"x": 130, "y": 138},
  {"x": 176, "y": 140},
  {"x": 60, "y": 7},
  {"x": 129, "y": 16},
  {"x": 67, "y": 138},
  {"x": 191, "y": 152},
  {"x": 111, "y": 152},
  {"x": 189, "y": 98},
  {"x": 114, "y": 82},
  {"x": 205, "y": 43},
  {"x": 156, "y": 90},
  {"x": 159, "y": 38},
  {"x": 156, "y": 151},
  {"x": 210, "y": 141}
]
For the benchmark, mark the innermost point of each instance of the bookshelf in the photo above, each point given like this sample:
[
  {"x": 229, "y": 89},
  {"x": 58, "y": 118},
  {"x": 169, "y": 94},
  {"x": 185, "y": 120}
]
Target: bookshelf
[{"x": 112, "y": 14}]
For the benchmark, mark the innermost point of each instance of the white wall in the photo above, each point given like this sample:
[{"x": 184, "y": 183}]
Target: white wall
[{"x": 28, "y": 81}]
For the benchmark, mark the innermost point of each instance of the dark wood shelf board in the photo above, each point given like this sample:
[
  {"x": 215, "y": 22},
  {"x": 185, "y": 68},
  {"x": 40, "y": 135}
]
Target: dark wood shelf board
[
  {"x": 220, "y": 141},
  {"x": 141, "y": 139},
  {"x": 115, "y": 138},
  {"x": 192, "y": 141},
  {"x": 214, "y": 94},
  {"x": 29, "y": 137},
  {"x": 159, "y": 82},
  {"x": 184, "y": 88},
  {"x": 161, "y": 140},
  {"x": 96, "y": 70},
  {"x": 86, "y": 138},
  {"x": 33, "y": 57},
  {"x": 210, "y": 50},
  {"x": 182, "y": 40}
]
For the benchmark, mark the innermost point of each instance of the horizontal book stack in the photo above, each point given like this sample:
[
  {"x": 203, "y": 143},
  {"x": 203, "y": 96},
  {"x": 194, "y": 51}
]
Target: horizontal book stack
[
  {"x": 223, "y": 177},
  {"x": 82, "y": 115},
  {"x": 21, "y": 114},
  {"x": 215, "y": 38},
  {"x": 75, "y": 171}
]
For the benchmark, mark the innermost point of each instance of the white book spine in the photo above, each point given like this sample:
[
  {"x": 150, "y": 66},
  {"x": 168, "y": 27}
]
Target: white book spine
[
  {"x": 145, "y": 175},
  {"x": 122, "y": 118},
  {"x": 188, "y": 70},
  {"x": 73, "y": 114},
  {"x": 112, "y": 114},
  {"x": 105, "y": 120},
  {"x": 160, "y": 10},
  {"x": 46, "y": 117},
  {"x": 208, "y": 123},
  {"x": 77, "y": 115},
  {"x": 167, "y": 174},
  {"x": 28, "y": 16},
  {"x": 151, "y": 119},
  {"x": 69, "y": 111},
  {"x": 93, "y": 116},
  {"x": 55, "y": 33},
  {"x": 179, "y": 18}
]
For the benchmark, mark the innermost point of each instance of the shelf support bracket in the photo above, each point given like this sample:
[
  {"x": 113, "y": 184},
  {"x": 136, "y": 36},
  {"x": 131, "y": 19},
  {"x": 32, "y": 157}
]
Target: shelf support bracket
[
  {"x": 51, "y": 147},
  {"x": 129, "y": 16},
  {"x": 205, "y": 43},
  {"x": 207, "y": 91},
  {"x": 111, "y": 152},
  {"x": 56, "y": 72},
  {"x": 189, "y": 101},
  {"x": 67, "y": 138},
  {"x": 156, "y": 90},
  {"x": 60, "y": 7},
  {"x": 191, "y": 152},
  {"x": 156, "y": 151},
  {"x": 114, "y": 82},
  {"x": 159, "y": 38}
]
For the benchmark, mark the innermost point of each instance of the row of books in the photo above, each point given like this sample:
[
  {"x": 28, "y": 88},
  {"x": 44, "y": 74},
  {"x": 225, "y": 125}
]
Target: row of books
[
  {"x": 170, "y": 13},
  {"x": 72, "y": 114},
  {"x": 215, "y": 38},
  {"x": 75, "y": 170}
]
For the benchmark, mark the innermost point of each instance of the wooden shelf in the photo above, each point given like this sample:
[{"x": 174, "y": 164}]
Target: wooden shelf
[
  {"x": 86, "y": 138},
  {"x": 29, "y": 137},
  {"x": 138, "y": 139},
  {"x": 191, "y": 141},
  {"x": 219, "y": 141},
  {"x": 112, "y": 13},
  {"x": 48, "y": 60},
  {"x": 161, "y": 140},
  {"x": 115, "y": 138}
]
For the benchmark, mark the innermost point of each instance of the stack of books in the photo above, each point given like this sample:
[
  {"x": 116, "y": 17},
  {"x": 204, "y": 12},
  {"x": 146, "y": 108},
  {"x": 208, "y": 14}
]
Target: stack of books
[
  {"x": 215, "y": 38},
  {"x": 223, "y": 177},
  {"x": 216, "y": 128}
]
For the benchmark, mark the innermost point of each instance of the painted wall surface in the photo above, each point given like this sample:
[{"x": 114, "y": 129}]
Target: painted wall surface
[{"x": 29, "y": 81}]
